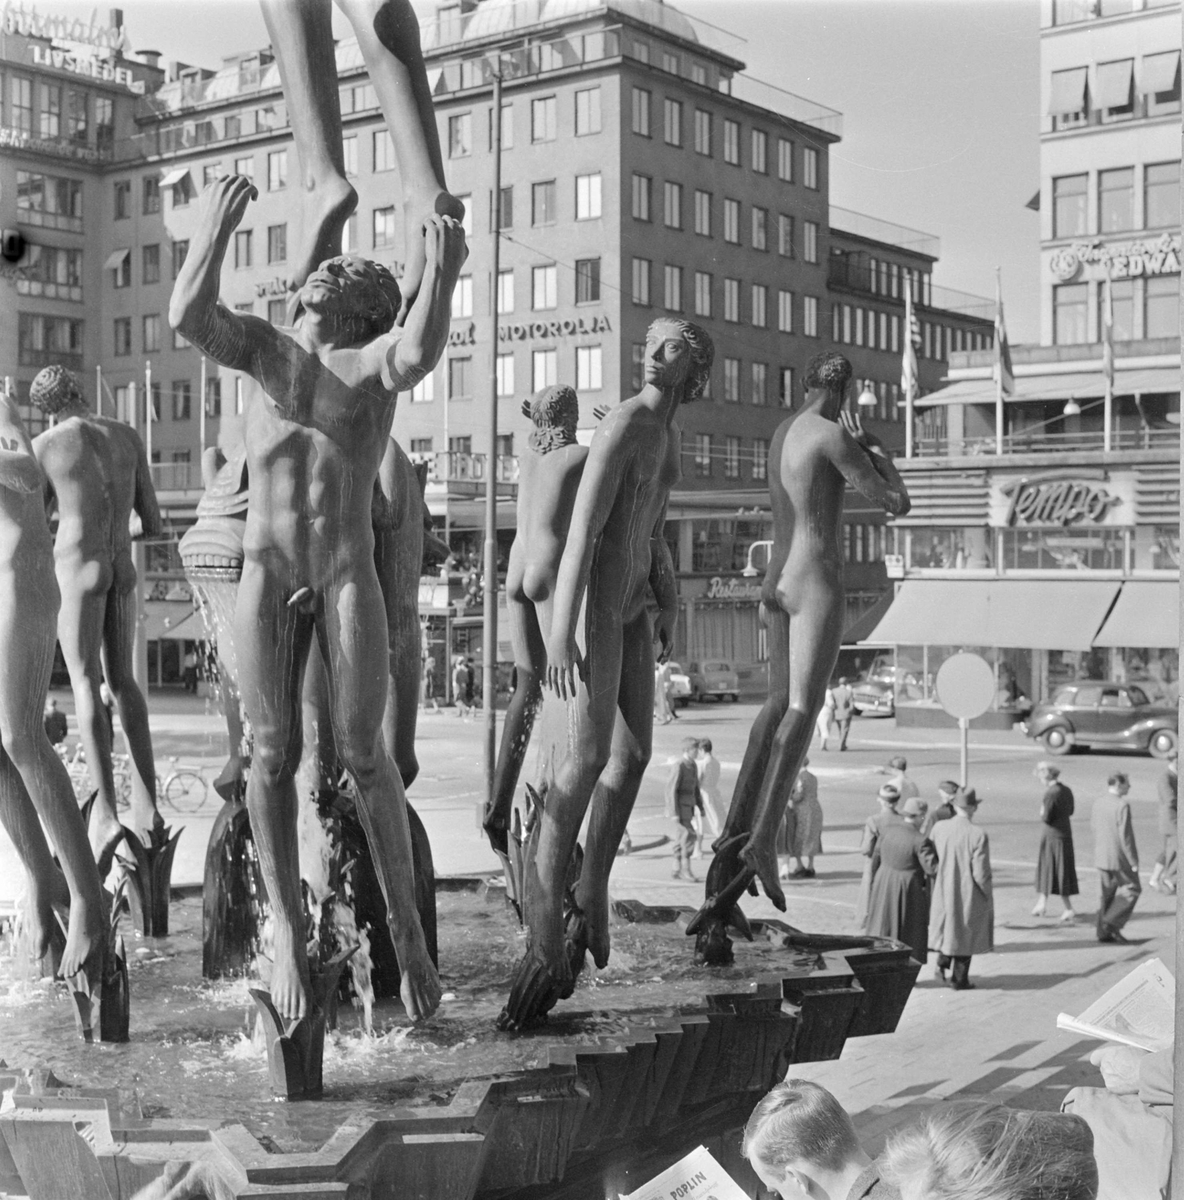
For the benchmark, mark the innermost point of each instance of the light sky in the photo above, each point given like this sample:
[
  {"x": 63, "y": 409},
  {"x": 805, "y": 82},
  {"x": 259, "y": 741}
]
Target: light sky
[{"x": 940, "y": 100}]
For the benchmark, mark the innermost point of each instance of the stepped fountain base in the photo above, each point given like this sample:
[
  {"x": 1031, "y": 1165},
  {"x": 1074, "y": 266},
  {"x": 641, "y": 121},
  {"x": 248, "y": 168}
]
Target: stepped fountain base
[{"x": 649, "y": 1058}]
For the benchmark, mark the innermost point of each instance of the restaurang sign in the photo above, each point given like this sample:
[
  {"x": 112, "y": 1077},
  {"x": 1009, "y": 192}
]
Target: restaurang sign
[
  {"x": 719, "y": 588},
  {"x": 1124, "y": 260},
  {"x": 1062, "y": 499}
]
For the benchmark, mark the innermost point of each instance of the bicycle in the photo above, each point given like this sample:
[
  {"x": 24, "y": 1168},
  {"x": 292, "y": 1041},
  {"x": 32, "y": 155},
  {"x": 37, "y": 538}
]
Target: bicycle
[{"x": 184, "y": 788}]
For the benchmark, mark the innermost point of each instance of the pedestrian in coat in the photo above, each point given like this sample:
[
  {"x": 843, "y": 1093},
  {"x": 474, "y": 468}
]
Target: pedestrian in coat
[
  {"x": 896, "y": 769},
  {"x": 844, "y": 710},
  {"x": 888, "y": 798},
  {"x": 962, "y": 914},
  {"x": 806, "y": 841},
  {"x": 1117, "y": 858},
  {"x": 714, "y": 812},
  {"x": 682, "y": 801},
  {"x": 903, "y": 863},
  {"x": 1056, "y": 866},
  {"x": 460, "y": 680},
  {"x": 1163, "y": 874},
  {"x": 826, "y": 718},
  {"x": 944, "y": 809},
  {"x": 663, "y": 713}
]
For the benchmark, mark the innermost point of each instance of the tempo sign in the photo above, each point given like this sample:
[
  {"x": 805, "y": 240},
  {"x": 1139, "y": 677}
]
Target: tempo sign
[{"x": 1061, "y": 499}]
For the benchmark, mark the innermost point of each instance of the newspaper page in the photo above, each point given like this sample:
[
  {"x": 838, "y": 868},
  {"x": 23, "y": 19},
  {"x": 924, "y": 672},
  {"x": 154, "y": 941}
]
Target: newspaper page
[
  {"x": 696, "y": 1177},
  {"x": 1137, "y": 1011}
]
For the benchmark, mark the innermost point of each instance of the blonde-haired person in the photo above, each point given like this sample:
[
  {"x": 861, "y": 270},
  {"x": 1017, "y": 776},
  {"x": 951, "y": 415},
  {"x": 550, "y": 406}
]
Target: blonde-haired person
[
  {"x": 802, "y": 1145},
  {"x": 977, "y": 1151}
]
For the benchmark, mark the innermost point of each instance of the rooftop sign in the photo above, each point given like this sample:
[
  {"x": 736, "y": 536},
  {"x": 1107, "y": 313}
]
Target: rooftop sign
[
  {"x": 28, "y": 22},
  {"x": 1124, "y": 260}
]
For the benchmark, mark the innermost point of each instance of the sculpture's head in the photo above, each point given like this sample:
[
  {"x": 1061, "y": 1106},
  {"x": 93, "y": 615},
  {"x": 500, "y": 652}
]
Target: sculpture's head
[
  {"x": 678, "y": 355},
  {"x": 361, "y": 295},
  {"x": 555, "y": 412},
  {"x": 55, "y": 389},
  {"x": 829, "y": 371}
]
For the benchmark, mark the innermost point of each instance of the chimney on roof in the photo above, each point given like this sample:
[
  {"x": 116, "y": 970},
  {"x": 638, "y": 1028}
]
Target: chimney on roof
[{"x": 151, "y": 57}]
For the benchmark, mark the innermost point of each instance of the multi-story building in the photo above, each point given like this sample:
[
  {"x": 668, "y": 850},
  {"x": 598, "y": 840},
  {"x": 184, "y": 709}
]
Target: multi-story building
[
  {"x": 642, "y": 174},
  {"x": 1045, "y": 524}
]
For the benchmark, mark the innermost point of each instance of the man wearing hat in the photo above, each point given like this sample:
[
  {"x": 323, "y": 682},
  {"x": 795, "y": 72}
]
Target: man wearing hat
[
  {"x": 844, "y": 710},
  {"x": 1163, "y": 874},
  {"x": 1117, "y": 858},
  {"x": 962, "y": 916},
  {"x": 888, "y": 797},
  {"x": 946, "y": 791},
  {"x": 1056, "y": 866},
  {"x": 896, "y": 768}
]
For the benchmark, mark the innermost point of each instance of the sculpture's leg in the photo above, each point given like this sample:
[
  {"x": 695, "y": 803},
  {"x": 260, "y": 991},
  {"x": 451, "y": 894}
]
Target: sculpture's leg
[
  {"x": 544, "y": 975},
  {"x": 80, "y": 634},
  {"x": 398, "y": 556},
  {"x": 118, "y": 648},
  {"x": 272, "y": 640},
  {"x": 352, "y": 634},
  {"x": 616, "y": 791},
  {"x": 47, "y": 884},
  {"x": 302, "y": 37},
  {"x": 388, "y": 36},
  {"x": 26, "y": 652},
  {"x": 815, "y": 634},
  {"x": 530, "y": 660}
]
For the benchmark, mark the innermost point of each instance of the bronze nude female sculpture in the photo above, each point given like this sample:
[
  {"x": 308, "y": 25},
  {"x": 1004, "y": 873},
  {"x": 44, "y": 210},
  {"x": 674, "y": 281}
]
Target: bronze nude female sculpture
[
  {"x": 814, "y": 455},
  {"x": 615, "y": 550}
]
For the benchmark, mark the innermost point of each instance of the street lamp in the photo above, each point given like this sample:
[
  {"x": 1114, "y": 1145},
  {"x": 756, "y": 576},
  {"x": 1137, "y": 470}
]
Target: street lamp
[
  {"x": 751, "y": 572},
  {"x": 1071, "y": 409},
  {"x": 867, "y": 398}
]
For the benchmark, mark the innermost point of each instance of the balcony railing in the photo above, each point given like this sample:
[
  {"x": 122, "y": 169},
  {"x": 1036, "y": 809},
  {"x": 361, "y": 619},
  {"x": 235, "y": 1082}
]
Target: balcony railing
[
  {"x": 941, "y": 446},
  {"x": 456, "y": 466}
]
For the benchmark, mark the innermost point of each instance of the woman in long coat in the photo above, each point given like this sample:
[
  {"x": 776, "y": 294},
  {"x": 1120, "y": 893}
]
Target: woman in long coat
[
  {"x": 903, "y": 862},
  {"x": 889, "y": 797},
  {"x": 1056, "y": 866},
  {"x": 962, "y": 916}
]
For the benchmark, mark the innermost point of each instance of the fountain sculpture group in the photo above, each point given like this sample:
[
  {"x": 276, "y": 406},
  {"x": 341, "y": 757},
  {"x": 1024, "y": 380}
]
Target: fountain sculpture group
[{"x": 308, "y": 552}]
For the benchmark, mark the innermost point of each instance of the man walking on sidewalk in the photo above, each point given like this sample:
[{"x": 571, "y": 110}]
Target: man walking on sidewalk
[
  {"x": 844, "y": 710},
  {"x": 682, "y": 799},
  {"x": 1163, "y": 874},
  {"x": 1117, "y": 858}
]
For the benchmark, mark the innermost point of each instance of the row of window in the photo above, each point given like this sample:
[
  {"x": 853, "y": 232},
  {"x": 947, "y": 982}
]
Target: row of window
[
  {"x": 46, "y": 109},
  {"x": 464, "y": 377},
  {"x": 184, "y": 190},
  {"x": 544, "y": 123},
  {"x": 879, "y": 330},
  {"x": 760, "y": 301},
  {"x": 701, "y": 136},
  {"x": 50, "y": 201},
  {"x": 734, "y": 461},
  {"x": 760, "y": 225},
  {"x": 53, "y": 272},
  {"x": 544, "y": 288},
  {"x": 1161, "y": 310},
  {"x": 1116, "y": 96},
  {"x": 1067, "y": 12},
  {"x": 43, "y": 339},
  {"x": 1117, "y": 196}
]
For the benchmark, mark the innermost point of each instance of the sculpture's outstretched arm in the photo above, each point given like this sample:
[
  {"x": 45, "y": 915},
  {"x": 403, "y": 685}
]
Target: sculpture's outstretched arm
[
  {"x": 194, "y": 310},
  {"x": 866, "y": 466},
  {"x": 145, "y": 515},
  {"x": 19, "y": 469}
]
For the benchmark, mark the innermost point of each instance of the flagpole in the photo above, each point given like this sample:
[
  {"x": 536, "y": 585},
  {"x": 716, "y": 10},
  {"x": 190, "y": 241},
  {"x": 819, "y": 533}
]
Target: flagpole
[
  {"x": 201, "y": 419},
  {"x": 998, "y": 368},
  {"x": 910, "y": 377},
  {"x": 1107, "y": 362},
  {"x": 98, "y": 390}
]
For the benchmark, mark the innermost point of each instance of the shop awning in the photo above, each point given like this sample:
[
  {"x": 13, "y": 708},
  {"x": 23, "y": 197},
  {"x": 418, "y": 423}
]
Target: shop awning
[
  {"x": 174, "y": 177},
  {"x": 1026, "y": 614},
  {"x": 1068, "y": 91},
  {"x": 1081, "y": 385},
  {"x": 865, "y": 624},
  {"x": 1147, "y": 614},
  {"x": 1114, "y": 83},
  {"x": 1159, "y": 72},
  {"x": 115, "y": 259}
]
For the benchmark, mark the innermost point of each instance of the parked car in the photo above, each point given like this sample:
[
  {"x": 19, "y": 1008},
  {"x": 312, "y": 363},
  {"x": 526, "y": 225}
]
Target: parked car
[
  {"x": 1087, "y": 712},
  {"x": 717, "y": 679},
  {"x": 680, "y": 686},
  {"x": 875, "y": 694}
]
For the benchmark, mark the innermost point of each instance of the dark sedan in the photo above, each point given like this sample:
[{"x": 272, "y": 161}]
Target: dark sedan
[{"x": 1091, "y": 713}]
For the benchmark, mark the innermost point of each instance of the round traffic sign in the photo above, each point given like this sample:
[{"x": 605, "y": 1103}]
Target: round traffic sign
[{"x": 965, "y": 685}]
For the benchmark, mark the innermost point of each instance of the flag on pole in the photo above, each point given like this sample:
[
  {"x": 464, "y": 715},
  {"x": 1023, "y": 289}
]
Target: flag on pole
[
  {"x": 909, "y": 381},
  {"x": 1108, "y": 336},
  {"x": 1004, "y": 375}
]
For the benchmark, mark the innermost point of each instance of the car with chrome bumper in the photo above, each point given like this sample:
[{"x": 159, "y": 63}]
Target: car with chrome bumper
[{"x": 1089, "y": 712}]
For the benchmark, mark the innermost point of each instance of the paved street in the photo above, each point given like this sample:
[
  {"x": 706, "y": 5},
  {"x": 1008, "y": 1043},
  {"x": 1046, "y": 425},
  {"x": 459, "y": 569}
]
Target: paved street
[{"x": 999, "y": 1039}]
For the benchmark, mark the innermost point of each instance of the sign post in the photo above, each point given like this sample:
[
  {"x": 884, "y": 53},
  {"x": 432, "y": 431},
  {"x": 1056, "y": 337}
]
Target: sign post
[{"x": 965, "y": 687}]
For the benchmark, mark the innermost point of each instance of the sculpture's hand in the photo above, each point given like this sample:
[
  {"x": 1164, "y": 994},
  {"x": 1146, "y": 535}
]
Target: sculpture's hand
[
  {"x": 415, "y": 215},
  {"x": 852, "y": 422},
  {"x": 565, "y": 666},
  {"x": 664, "y": 635},
  {"x": 444, "y": 245},
  {"x": 225, "y": 201}
]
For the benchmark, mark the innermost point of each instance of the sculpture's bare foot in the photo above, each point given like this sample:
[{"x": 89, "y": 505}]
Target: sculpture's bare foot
[
  {"x": 763, "y": 861},
  {"x": 328, "y": 206},
  {"x": 416, "y": 210},
  {"x": 44, "y": 897},
  {"x": 290, "y": 987},
  {"x": 596, "y": 935},
  {"x": 538, "y": 985},
  {"x": 85, "y": 942},
  {"x": 419, "y": 985},
  {"x": 105, "y": 833}
]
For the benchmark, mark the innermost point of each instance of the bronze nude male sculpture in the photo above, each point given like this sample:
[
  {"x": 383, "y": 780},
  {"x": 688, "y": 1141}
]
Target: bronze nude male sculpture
[
  {"x": 34, "y": 786},
  {"x": 314, "y": 442},
  {"x": 814, "y": 455},
  {"x": 99, "y": 482},
  {"x": 549, "y": 473},
  {"x": 615, "y": 550}
]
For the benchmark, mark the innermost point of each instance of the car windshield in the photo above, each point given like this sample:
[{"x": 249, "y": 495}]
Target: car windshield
[{"x": 1137, "y": 695}]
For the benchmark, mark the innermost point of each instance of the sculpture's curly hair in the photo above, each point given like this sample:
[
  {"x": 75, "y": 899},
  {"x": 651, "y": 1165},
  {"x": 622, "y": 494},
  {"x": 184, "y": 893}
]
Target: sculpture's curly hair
[
  {"x": 828, "y": 370},
  {"x": 55, "y": 388},
  {"x": 555, "y": 412},
  {"x": 702, "y": 355},
  {"x": 380, "y": 296}
]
